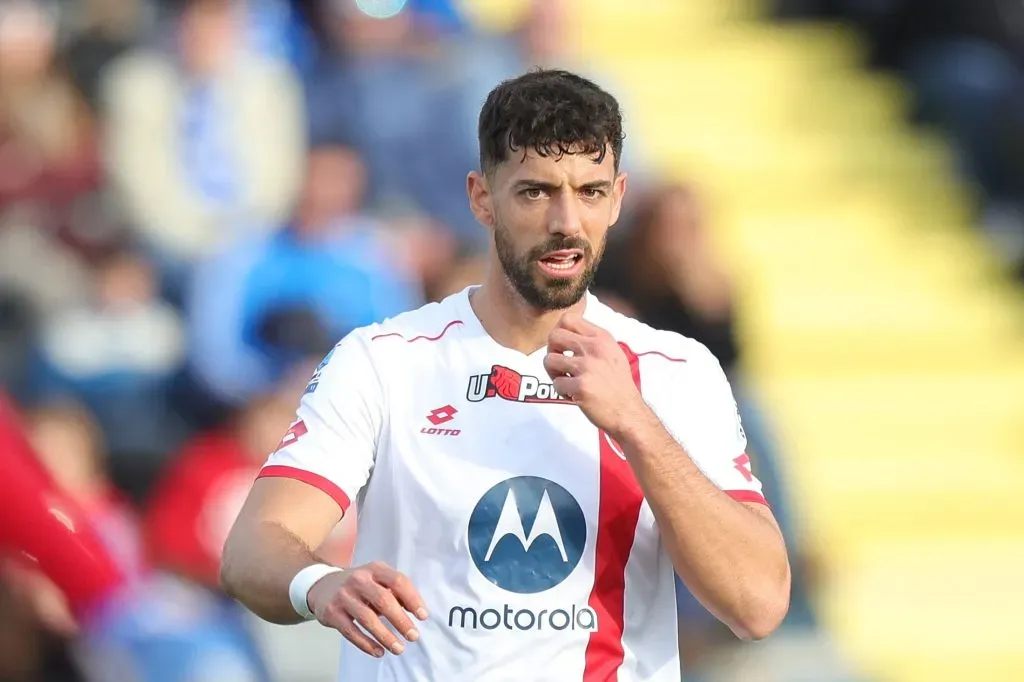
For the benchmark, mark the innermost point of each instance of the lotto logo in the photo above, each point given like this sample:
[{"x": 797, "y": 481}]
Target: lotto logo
[{"x": 441, "y": 415}]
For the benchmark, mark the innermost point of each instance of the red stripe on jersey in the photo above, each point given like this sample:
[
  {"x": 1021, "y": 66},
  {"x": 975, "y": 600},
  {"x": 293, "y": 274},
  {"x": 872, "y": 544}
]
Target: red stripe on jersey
[
  {"x": 619, "y": 504},
  {"x": 308, "y": 477},
  {"x": 421, "y": 337},
  {"x": 747, "y": 496},
  {"x": 660, "y": 355}
]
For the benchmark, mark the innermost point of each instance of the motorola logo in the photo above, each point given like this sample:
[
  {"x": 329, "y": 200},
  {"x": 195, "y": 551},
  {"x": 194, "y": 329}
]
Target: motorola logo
[{"x": 527, "y": 534}]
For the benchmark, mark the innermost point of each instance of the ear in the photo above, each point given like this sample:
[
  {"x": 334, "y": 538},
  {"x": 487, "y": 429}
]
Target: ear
[
  {"x": 618, "y": 191},
  {"x": 481, "y": 201}
]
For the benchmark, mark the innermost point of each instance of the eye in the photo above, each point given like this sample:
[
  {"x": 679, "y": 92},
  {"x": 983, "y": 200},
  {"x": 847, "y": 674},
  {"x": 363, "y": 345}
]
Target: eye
[
  {"x": 591, "y": 192},
  {"x": 532, "y": 193}
]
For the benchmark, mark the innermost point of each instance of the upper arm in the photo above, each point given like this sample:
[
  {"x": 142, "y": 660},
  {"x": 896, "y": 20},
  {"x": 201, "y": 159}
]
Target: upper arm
[
  {"x": 302, "y": 510},
  {"x": 327, "y": 454},
  {"x": 698, "y": 408}
]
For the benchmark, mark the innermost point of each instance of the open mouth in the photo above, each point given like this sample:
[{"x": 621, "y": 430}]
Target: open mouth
[{"x": 566, "y": 262}]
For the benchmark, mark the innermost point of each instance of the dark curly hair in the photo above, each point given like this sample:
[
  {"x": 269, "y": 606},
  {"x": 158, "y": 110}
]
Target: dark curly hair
[{"x": 551, "y": 112}]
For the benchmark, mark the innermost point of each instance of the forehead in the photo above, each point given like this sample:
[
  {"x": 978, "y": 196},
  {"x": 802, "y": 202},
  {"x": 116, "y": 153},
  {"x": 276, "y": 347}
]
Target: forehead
[{"x": 574, "y": 169}]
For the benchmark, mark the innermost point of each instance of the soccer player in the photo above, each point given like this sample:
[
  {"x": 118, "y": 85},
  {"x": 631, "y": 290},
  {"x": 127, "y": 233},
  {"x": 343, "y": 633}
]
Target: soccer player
[{"x": 531, "y": 468}]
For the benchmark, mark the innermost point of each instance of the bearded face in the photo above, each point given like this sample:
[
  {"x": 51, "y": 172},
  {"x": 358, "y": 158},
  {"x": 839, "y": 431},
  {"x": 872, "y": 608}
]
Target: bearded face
[
  {"x": 550, "y": 216},
  {"x": 550, "y": 275}
]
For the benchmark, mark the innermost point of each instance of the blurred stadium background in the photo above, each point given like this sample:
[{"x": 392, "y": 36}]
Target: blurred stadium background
[{"x": 197, "y": 197}]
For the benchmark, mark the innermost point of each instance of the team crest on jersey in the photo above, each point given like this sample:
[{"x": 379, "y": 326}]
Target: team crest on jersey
[{"x": 509, "y": 384}]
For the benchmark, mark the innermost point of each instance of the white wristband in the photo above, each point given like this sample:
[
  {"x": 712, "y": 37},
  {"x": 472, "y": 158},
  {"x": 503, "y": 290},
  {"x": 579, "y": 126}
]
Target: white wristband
[{"x": 303, "y": 581}]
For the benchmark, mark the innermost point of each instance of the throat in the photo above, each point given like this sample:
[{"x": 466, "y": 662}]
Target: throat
[{"x": 510, "y": 321}]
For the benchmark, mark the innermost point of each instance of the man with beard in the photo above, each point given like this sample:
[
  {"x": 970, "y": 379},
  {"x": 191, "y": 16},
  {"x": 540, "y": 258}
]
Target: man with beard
[{"x": 531, "y": 468}]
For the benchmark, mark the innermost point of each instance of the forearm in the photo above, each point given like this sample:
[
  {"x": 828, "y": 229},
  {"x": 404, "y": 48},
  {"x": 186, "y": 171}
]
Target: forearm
[
  {"x": 733, "y": 560},
  {"x": 257, "y": 568}
]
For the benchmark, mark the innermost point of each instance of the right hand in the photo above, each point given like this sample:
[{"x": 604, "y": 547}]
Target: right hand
[{"x": 356, "y": 601}]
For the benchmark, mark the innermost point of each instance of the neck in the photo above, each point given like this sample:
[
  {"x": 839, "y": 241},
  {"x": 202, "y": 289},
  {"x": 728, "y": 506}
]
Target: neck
[{"x": 508, "y": 319}]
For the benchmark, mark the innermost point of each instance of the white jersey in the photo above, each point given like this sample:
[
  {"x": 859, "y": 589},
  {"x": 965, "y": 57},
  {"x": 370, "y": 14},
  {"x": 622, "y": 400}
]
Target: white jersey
[{"x": 521, "y": 525}]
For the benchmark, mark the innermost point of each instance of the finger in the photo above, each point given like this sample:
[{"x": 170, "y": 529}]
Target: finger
[
  {"x": 561, "y": 340},
  {"x": 403, "y": 590},
  {"x": 567, "y": 386},
  {"x": 343, "y": 623},
  {"x": 384, "y": 602},
  {"x": 368, "y": 619},
  {"x": 574, "y": 322},
  {"x": 558, "y": 365}
]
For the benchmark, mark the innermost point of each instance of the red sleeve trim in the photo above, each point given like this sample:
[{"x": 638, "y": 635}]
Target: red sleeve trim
[
  {"x": 747, "y": 496},
  {"x": 308, "y": 477}
]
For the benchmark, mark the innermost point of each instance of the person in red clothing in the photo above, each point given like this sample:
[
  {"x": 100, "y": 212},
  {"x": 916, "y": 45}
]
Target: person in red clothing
[
  {"x": 70, "y": 445},
  {"x": 195, "y": 502},
  {"x": 155, "y": 628},
  {"x": 41, "y": 526},
  {"x": 55, "y": 570}
]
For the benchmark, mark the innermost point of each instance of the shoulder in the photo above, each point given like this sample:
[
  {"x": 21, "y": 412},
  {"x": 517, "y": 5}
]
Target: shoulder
[
  {"x": 427, "y": 324},
  {"x": 655, "y": 346},
  {"x": 376, "y": 355},
  {"x": 137, "y": 75},
  {"x": 409, "y": 333}
]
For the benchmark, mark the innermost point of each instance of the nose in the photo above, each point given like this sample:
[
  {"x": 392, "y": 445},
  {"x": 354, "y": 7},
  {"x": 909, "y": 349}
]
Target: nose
[{"x": 564, "y": 215}]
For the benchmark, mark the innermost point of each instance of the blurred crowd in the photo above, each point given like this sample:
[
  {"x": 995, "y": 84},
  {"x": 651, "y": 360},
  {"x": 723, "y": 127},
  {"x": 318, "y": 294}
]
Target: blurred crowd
[
  {"x": 198, "y": 198},
  {"x": 963, "y": 61}
]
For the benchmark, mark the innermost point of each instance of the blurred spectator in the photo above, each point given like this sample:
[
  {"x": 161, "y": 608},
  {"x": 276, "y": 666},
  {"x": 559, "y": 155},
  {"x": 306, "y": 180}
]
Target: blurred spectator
[
  {"x": 17, "y": 334},
  {"x": 667, "y": 272},
  {"x": 386, "y": 86},
  {"x": 47, "y": 147},
  {"x": 963, "y": 59},
  {"x": 31, "y": 650},
  {"x": 166, "y": 630},
  {"x": 200, "y": 494},
  {"x": 664, "y": 271},
  {"x": 545, "y": 37},
  {"x": 117, "y": 353},
  {"x": 100, "y": 31},
  {"x": 150, "y": 628},
  {"x": 25, "y": 253},
  {"x": 71, "y": 447},
  {"x": 205, "y": 138},
  {"x": 280, "y": 30},
  {"x": 198, "y": 498},
  {"x": 442, "y": 17},
  {"x": 272, "y": 301},
  {"x": 50, "y": 180}
]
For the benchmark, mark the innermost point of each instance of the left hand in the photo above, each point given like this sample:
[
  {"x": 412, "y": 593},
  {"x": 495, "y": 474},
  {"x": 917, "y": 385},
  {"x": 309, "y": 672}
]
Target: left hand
[{"x": 597, "y": 376}]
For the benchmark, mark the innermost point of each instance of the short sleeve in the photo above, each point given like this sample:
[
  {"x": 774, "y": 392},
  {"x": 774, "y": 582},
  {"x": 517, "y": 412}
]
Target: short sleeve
[
  {"x": 698, "y": 408},
  {"x": 332, "y": 443}
]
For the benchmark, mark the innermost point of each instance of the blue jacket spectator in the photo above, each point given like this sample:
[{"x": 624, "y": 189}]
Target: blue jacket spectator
[
  {"x": 261, "y": 307},
  {"x": 399, "y": 103}
]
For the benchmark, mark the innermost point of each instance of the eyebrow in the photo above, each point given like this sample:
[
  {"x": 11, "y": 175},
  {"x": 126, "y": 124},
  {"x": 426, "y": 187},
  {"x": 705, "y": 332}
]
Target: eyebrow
[{"x": 548, "y": 186}]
